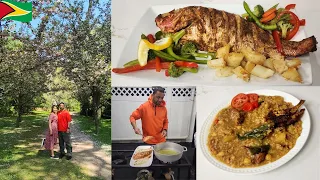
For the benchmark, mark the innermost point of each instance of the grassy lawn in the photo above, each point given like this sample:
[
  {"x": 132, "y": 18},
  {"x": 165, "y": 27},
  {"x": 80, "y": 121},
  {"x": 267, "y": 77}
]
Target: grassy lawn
[
  {"x": 21, "y": 156},
  {"x": 87, "y": 125}
]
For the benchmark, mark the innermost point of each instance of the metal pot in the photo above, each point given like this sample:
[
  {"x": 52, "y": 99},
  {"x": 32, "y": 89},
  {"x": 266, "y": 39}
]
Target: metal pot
[{"x": 169, "y": 145}]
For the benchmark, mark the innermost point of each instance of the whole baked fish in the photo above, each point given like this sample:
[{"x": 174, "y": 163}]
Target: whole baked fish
[{"x": 211, "y": 29}]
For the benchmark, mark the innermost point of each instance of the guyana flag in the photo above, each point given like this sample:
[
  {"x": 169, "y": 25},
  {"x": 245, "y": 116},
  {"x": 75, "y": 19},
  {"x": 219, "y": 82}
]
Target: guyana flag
[{"x": 18, "y": 11}]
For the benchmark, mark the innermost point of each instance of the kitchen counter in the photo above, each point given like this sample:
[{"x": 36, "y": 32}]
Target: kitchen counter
[
  {"x": 182, "y": 168},
  {"x": 127, "y": 13},
  {"x": 305, "y": 165}
]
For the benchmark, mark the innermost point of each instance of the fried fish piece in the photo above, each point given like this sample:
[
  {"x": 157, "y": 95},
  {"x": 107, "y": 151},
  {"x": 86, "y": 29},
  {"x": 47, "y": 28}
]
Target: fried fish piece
[{"x": 211, "y": 29}]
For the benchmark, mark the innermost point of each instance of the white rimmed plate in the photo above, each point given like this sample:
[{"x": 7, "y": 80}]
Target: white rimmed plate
[
  {"x": 145, "y": 162},
  {"x": 205, "y": 75},
  {"x": 306, "y": 123}
]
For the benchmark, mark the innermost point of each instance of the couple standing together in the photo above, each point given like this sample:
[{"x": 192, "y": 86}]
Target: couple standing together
[{"x": 59, "y": 127}]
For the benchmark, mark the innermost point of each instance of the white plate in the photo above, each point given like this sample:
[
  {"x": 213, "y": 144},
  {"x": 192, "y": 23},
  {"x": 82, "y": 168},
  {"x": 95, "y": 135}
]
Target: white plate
[
  {"x": 268, "y": 167},
  {"x": 205, "y": 76},
  {"x": 147, "y": 161}
]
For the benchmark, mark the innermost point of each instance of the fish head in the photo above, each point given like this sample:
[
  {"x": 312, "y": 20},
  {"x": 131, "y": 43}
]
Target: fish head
[{"x": 167, "y": 21}]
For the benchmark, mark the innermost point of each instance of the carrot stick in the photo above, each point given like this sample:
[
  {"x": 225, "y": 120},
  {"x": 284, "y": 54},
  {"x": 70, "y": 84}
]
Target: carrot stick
[
  {"x": 268, "y": 18},
  {"x": 269, "y": 12}
]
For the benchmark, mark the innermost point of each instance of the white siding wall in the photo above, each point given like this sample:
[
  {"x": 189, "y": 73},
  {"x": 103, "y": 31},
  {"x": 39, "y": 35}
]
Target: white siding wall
[{"x": 180, "y": 105}]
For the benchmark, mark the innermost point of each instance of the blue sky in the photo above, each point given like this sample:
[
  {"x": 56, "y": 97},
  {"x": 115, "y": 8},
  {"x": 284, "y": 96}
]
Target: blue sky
[{"x": 36, "y": 22}]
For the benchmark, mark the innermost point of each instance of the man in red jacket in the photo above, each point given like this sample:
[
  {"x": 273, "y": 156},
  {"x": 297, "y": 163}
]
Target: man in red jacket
[{"x": 64, "y": 119}]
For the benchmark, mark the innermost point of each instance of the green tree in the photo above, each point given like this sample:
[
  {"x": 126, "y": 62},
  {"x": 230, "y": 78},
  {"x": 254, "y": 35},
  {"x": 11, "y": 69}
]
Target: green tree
[
  {"x": 88, "y": 53},
  {"x": 22, "y": 87},
  {"x": 74, "y": 35}
]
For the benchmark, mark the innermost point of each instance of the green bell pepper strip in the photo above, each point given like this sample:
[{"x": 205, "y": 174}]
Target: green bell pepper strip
[
  {"x": 191, "y": 70},
  {"x": 164, "y": 55},
  {"x": 178, "y": 35},
  {"x": 170, "y": 52},
  {"x": 257, "y": 21},
  {"x": 131, "y": 63}
]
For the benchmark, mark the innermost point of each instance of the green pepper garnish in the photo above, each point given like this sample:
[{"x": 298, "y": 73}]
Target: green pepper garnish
[{"x": 257, "y": 21}]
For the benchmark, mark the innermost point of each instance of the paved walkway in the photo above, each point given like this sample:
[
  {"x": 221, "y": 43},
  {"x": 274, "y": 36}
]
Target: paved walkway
[{"x": 87, "y": 154}]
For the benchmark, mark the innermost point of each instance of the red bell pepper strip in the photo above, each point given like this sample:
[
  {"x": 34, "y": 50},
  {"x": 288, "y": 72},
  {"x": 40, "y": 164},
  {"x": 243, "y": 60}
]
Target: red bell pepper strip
[
  {"x": 290, "y": 6},
  {"x": 277, "y": 40},
  {"x": 167, "y": 73},
  {"x": 302, "y": 22},
  {"x": 296, "y": 27},
  {"x": 158, "y": 64},
  {"x": 186, "y": 64},
  {"x": 150, "y": 65},
  {"x": 151, "y": 38},
  {"x": 296, "y": 23}
]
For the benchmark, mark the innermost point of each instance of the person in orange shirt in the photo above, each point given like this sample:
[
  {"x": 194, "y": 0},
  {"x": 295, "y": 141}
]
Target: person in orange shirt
[
  {"x": 153, "y": 115},
  {"x": 154, "y": 120}
]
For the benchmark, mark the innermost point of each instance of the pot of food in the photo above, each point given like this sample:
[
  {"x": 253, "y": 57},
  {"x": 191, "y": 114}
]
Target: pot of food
[{"x": 169, "y": 151}]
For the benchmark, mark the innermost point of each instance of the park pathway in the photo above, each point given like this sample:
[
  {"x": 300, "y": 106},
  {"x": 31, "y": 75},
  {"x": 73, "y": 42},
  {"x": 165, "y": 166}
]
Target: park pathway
[{"x": 94, "y": 159}]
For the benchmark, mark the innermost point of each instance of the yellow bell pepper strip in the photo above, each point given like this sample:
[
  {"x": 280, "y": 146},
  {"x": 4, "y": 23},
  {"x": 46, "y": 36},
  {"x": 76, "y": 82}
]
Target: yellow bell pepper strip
[{"x": 159, "y": 44}]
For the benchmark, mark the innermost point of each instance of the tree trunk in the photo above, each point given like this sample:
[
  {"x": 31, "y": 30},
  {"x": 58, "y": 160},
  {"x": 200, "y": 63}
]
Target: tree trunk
[
  {"x": 96, "y": 95},
  {"x": 19, "y": 116}
]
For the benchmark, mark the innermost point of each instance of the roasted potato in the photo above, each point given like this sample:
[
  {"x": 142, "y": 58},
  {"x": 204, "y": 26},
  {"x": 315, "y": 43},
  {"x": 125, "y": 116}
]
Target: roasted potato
[
  {"x": 279, "y": 65},
  {"x": 249, "y": 66},
  {"x": 228, "y": 138},
  {"x": 216, "y": 63},
  {"x": 224, "y": 71},
  {"x": 221, "y": 52},
  {"x": 292, "y": 75},
  {"x": 280, "y": 138},
  {"x": 234, "y": 59},
  {"x": 252, "y": 56},
  {"x": 295, "y": 63},
  {"x": 241, "y": 73},
  {"x": 268, "y": 157},
  {"x": 269, "y": 63},
  {"x": 262, "y": 72},
  {"x": 243, "y": 63}
]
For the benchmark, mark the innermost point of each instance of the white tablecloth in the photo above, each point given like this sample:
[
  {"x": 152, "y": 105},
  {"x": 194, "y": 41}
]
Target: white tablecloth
[{"x": 304, "y": 166}]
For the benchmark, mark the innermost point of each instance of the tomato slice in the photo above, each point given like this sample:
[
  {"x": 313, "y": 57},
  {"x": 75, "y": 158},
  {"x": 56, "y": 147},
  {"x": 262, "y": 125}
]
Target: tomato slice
[
  {"x": 247, "y": 107},
  {"x": 253, "y": 97},
  {"x": 255, "y": 104},
  {"x": 239, "y": 100}
]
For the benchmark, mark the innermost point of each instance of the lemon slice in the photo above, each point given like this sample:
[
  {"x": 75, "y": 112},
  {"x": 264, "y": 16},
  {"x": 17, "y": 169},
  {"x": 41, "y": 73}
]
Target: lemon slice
[
  {"x": 143, "y": 53},
  {"x": 160, "y": 44}
]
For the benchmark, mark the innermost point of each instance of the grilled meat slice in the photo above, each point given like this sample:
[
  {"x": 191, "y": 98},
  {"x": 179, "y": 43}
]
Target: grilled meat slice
[
  {"x": 296, "y": 107},
  {"x": 290, "y": 116},
  {"x": 211, "y": 29}
]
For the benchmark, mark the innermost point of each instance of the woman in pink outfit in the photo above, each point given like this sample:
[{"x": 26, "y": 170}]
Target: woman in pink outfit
[{"x": 52, "y": 132}]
